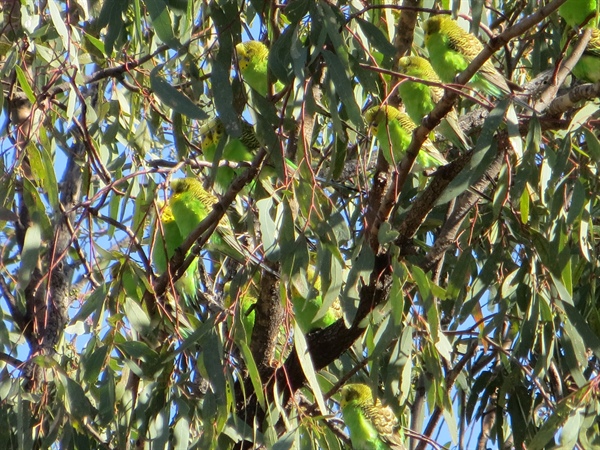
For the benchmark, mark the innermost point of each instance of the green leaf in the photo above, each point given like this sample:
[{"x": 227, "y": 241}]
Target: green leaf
[
  {"x": 173, "y": 98},
  {"x": 22, "y": 79},
  {"x": 524, "y": 206},
  {"x": 76, "y": 402},
  {"x": 593, "y": 145},
  {"x": 253, "y": 373},
  {"x": 30, "y": 254},
  {"x": 343, "y": 87},
  {"x": 59, "y": 23},
  {"x": 483, "y": 154},
  {"x": 280, "y": 54},
  {"x": 43, "y": 170},
  {"x": 578, "y": 200},
  {"x": 161, "y": 22},
  {"x": 112, "y": 15},
  {"x": 308, "y": 368},
  {"x": 269, "y": 226},
  {"x": 181, "y": 432},
  {"x": 94, "y": 364},
  {"x": 376, "y": 38},
  {"x": 137, "y": 350},
  {"x": 93, "y": 303},
  {"x": 386, "y": 234},
  {"x": 582, "y": 116},
  {"x": 137, "y": 317}
]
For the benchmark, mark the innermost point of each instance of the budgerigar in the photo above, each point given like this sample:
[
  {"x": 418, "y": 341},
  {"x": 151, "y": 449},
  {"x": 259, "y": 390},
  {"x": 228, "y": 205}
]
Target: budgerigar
[
  {"x": 372, "y": 425},
  {"x": 253, "y": 57},
  {"x": 235, "y": 150},
  {"x": 191, "y": 203},
  {"x": 168, "y": 238},
  {"x": 419, "y": 99},
  {"x": 451, "y": 49},
  {"x": 588, "y": 66},
  {"x": 393, "y": 130},
  {"x": 575, "y": 12}
]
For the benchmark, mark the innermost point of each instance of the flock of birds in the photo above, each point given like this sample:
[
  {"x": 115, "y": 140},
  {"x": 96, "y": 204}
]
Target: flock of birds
[{"x": 372, "y": 425}]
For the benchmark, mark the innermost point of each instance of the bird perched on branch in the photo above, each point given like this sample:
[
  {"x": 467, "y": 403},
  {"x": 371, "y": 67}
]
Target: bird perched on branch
[
  {"x": 168, "y": 238},
  {"x": 234, "y": 150},
  {"x": 419, "y": 99},
  {"x": 588, "y": 66},
  {"x": 191, "y": 203},
  {"x": 372, "y": 425},
  {"x": 576, "y": 12},
  {"x": 393, "y": 130},
  {"x": 253, "y": 58},
  {"x": 451, "y": 49}
]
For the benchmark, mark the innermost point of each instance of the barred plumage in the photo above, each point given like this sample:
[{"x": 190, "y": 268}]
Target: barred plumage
[
  {"x": 372, "y": 425},
  {"x": 393, "y": 130},
  {"x": 451, "y": 50}
]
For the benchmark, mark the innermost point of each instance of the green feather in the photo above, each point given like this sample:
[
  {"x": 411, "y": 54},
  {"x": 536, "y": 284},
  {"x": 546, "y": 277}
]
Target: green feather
[
  {"x": 420, "y": 99},
  {"x": 234, "y": 150},
  {"x": 253, "y": 58},
  {"x": 371, "y": 424},
  {"x": 191, "y": 203},
  {"x": 588, "y": 67},
  {"x": 575, "y": 12},
  {"x": 451, "y": 49},
  {"x": 168, "y": 238},
  {"x": 393, "y": 130}
]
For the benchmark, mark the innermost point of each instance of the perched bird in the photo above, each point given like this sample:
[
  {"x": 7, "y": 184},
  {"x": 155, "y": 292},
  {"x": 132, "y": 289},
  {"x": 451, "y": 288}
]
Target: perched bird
[
  {"x": 371, "y": 424},
  {"x": 234, "y": 150},
  {"x": 168, "y": 238},
  {"x": 451, "y": 49},
  {"x": 393, "y": 130},
  {"x": 191, "y": 203},
  {"x": 253, "y": 57},
  {"x": 576, "y": 12},
  {"x": 588, "y": 66},
  {"x": 419, "y": 99},
  {"x": 308, "y": 306}
]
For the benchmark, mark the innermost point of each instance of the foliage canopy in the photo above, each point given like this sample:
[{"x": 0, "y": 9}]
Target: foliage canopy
[{"x": 468, "y": 295}]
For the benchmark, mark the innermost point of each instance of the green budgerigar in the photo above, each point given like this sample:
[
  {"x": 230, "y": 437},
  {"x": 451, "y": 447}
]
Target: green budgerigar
[
  {"x": 576, "y": 12},
  {"x": 191, "y": 203},
  {"x": 253, "y": 58},
  {"x": 372, "y": 425},
  {"x": 588, "y": 67},
  {"x": 393, "y": 130},
  {"x": 235, "y": 150},
  {"x": 419, "y": 99},
  {"x": 168, "y": 238},
  {"x": 451, "y": 49}
]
